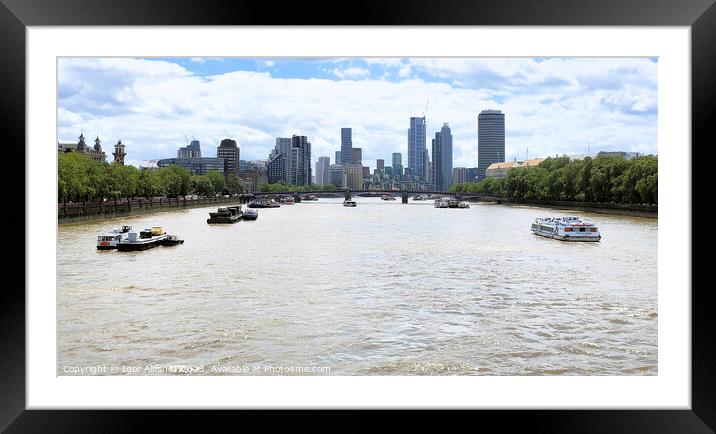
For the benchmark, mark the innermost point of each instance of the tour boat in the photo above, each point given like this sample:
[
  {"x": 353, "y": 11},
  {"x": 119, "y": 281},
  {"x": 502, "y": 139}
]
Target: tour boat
[
  {"x": 348, "y": 202},
  {"x": 387, "y": 197},
  {"x": 231, "y": 214},
  {"x": 566, "y": 229},
  {"x": 446, "y": 202},
  {"x": 251, "y": 214},
  {"x": 263, "y": 203},
  {"x": 109, "y": 240},
  {"x": 310, "y": 197},
  {"x": 146, "y": 239}
]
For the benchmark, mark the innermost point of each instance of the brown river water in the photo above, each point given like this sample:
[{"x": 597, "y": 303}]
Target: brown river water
[{"x": 380, "y": 289}]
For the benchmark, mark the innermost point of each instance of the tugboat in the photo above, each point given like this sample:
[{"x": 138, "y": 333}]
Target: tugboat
[
  {"x": 251, "y": 214},
  {"x": 231, "y": 214},
  {"x": 172, "y": 240},
  {"x": 349, "y": 202},
  {"x": 566, "y": 229},
  {"x": 110, "y": 240},
  {"x": 146, "y": 239}
]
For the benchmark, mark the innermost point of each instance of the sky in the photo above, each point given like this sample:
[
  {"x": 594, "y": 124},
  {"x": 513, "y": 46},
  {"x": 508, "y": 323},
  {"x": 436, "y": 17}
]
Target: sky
[{"x": 552, "y": 106}]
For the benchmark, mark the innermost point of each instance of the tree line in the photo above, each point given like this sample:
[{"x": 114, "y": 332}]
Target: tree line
[
  {"x": 600, "y": 179},
  {"x": 81, "y": 178}
]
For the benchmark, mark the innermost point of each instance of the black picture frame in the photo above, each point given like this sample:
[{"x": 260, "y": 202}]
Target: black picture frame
[{"x": 16, "y": 15}]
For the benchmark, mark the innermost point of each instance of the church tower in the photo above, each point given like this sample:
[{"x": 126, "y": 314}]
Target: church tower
[{"x": 119, "y": 152}]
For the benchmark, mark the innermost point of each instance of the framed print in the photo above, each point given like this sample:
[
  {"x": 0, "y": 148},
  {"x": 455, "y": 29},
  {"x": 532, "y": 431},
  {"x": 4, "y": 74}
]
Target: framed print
[{"x": 398, "y": 208}]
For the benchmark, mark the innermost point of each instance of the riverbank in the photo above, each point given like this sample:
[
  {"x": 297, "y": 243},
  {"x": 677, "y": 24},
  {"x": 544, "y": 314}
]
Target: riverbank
[
  {"x": 88, "y": 211},
  {"x": 632, "y": 210}
]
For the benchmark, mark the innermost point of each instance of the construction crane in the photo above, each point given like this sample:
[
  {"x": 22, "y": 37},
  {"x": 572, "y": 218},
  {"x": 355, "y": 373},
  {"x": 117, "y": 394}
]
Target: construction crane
[{"x": 426, "y": 108}]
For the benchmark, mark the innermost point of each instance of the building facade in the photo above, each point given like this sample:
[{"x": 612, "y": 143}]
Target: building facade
[
  {"x": 398, "y": 164},
  {"x": 459, "y": 175},
  {"x": 197, "y": 166},
  {"x": 416, "y": 147},
  {"x": 299, "y": 161},
  {"x": 356, "y": 156},
  {"x": 193, "y": 150},
  {"x": 335, "y": 175},
  {"x": 353, "y": 176},
  {"x": 81, "y": 147},
  {"x": 276, "y": 168},
  {"x": 380, "y": 164},
  {"x": 228, "y": 149},
  {"x": 118, "y": 153},
  {"x": 501, "y": 169},
  {"x": 322, "y": 166},
  {"x": 471, "y": 174},
  {"x": 490, "y": 140}
]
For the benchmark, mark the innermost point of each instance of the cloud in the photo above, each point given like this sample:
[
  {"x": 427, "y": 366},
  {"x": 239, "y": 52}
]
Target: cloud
[
  {"x": 351, "y": 72},
  {"x": 552, "y": 106}
]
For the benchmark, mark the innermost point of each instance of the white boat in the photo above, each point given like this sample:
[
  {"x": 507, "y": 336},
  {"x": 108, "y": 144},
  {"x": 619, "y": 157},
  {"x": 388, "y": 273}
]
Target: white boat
[
  {"x": 387, "y": 197},
  {"x": 110, "y": 240},
  {"x": 349, "y": 203},
  {"x": 566, "y": 229}
]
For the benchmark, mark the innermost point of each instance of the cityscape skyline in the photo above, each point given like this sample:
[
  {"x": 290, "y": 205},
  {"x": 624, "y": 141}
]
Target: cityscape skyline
[{"x": 611, "y": 103}]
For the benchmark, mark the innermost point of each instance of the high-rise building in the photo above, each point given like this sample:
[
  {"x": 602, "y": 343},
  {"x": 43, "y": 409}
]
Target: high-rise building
[
  {"x": 356, "y": 156},
  {"x": 346, "y": 146},
  {"x": 353, "y": 176},
  {"x": 490, "y": 140},
  {"x": 459, "y": 175},
  {"x": 380, "y": 164},
  {"x": 322, "y": 166},
  {"x": 335, "y": 175},
  {"x": 197, "y": 166},
  {"x": 442, "y": 159},
  {"x": 299, "y": 161},
  {"x": 416, "y": 147},
  {"x": 276, "y": 168},
  {"x": 366, "y": 171},
  {"x": 398, "y": 164},
  {"x": 471, "y": 174},
  {"x": 193, "y": 150},
  {"x": 228, "y": 149}
]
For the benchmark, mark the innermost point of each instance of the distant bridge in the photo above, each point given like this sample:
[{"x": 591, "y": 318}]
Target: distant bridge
[{"x": 404, "y": 194}]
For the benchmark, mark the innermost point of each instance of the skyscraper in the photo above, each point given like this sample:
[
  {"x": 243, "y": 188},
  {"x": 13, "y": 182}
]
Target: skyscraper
[
  {"x": 398, "y": 164},
  {"x": 283, "y": 146},
  {"x": 490, "y": 140},
  {"x": 229, "y": 150},
  {"x": 322, "y": 167},
  {"x": 300, "y": 161},
  {"x": 442, "y": 159},
  {"x": 416, "y": 147},
  {"x": 338, "y": 157},
  {"x": 346, "y": 146},
  {"x": 335, "y": 175},
  {"x": 356, "y": 156},
  {"x": 380, "y": 164}
]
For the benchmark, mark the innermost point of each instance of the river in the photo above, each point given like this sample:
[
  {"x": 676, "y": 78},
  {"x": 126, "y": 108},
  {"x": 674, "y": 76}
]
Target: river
[{"x": 380, "y": 289}]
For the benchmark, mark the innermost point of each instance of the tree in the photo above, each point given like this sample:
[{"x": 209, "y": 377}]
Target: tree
[
  {"x": 233, "y": 184},
  {"x": 217, "y": 180}
]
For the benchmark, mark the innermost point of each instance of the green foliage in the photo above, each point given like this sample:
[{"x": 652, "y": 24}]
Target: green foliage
[
  {"x": 233, "y": 184},
  {"x": 601, "y": 179},
  {"x": 79, "y": 177},
  {"x": 217, "y": 180}
]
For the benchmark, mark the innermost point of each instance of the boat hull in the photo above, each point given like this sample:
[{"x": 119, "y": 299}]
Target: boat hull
[{"x": 567, "y": 238}]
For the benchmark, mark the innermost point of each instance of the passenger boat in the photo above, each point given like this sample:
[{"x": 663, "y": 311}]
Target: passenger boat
[
  {"x": 172, "y": 240},
  {"x": 230, "y": 214},
  {"x": 251, "y": 214},
  {"x": 109, "y": 240},
  {"x": 566, "y": 229},
  {"x": 310, "y": 197},
  {"x": 146, "y": 239},
  {"x": 287, "y": 200},
  {"x": 387, "y": 197},
  {"x": 350, "y": 203},
  {"x": 263, "y": 203},
  {"x": 447, "y": 202}
]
